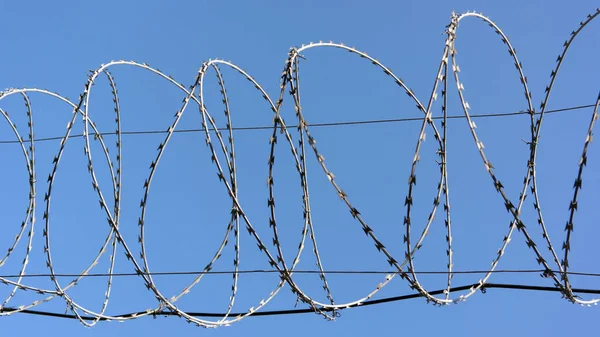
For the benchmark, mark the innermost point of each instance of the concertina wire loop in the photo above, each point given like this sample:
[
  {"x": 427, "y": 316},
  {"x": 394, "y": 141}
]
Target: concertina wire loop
[{"x": 227, "y": 174}]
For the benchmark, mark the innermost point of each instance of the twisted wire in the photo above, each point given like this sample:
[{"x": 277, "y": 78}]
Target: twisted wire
[{"x": 226, "y": 171}]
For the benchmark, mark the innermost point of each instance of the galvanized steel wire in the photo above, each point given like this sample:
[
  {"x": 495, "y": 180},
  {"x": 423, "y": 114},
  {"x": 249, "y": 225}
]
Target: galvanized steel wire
[{"x": 556, "y": 269}]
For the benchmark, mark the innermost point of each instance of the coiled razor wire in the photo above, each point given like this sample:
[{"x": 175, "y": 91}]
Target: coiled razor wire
[{"x": 227, "y": 174}]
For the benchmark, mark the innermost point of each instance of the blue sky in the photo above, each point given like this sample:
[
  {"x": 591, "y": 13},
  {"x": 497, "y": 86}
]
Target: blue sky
[{"x": 53, "y": 45}]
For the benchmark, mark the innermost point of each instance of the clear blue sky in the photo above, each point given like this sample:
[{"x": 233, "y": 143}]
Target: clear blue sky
[{"x": 53, "y": 45}]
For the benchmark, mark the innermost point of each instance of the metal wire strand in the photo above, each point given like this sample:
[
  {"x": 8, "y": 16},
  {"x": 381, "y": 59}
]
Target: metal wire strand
[{"x": 223, "y": 157}]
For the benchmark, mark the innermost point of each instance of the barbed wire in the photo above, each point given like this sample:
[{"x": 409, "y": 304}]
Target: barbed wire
[{"x": 227, "y": 174}]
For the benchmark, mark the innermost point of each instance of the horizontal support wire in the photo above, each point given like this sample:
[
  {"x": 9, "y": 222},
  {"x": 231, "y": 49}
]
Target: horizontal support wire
[
  {"x": 333, "y": 272},
  {"x": 308, "y": 311},
  {"x": 317, "y": 125}
]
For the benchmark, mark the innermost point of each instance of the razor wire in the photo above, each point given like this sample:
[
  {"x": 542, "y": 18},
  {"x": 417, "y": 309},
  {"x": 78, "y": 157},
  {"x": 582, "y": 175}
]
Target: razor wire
[{"x": 557, "y": 269}]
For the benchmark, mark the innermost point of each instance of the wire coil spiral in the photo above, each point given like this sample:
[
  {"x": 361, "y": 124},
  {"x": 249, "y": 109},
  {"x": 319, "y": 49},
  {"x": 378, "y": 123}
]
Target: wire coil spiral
[{"x": 217, "y": 142}]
